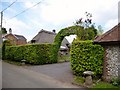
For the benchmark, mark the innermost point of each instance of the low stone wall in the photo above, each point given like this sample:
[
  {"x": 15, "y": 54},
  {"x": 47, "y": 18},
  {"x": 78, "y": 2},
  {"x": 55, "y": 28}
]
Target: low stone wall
[{"x": 112, "y": 61}]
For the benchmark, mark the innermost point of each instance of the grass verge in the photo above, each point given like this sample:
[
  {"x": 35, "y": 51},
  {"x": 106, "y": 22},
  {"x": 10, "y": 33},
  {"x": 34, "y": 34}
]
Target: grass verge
[
  {"x": 104, "y": 85},
  {"x": 63, "y": 58},
  {"x": 79, "y": 80}
]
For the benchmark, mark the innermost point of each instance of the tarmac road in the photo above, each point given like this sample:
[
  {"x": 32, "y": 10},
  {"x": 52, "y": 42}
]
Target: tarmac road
[
  {"x": 19, "y": 77},
  {"x": 58, "y": 71}
]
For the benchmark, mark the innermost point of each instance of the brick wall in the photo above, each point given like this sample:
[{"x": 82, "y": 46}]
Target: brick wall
[
  {"x": 21, "y": 42},
  {"x": 15, "y": 41},
  {"x": 12, "y": 39}
]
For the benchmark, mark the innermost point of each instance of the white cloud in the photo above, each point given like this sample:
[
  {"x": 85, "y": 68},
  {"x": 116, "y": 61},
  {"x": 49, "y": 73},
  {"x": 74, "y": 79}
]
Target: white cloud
[
  {"x": 57, "y": 14},
  {"x": 18, "y": 27},
  {"x": 29, "y": 4},
  {"x": 111, "y": 23},
  {"x": 61, "y": 11}
]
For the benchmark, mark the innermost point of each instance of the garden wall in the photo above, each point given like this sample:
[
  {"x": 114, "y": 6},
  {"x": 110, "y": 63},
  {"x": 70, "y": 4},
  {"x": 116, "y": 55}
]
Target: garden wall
[{"x": 111, "y": 62}]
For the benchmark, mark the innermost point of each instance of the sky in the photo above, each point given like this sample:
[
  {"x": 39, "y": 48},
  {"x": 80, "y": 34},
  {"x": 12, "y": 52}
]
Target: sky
[{"x": 56, "y": 14}]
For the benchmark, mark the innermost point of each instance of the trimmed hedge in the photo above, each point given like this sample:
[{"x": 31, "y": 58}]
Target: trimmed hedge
[
  {"x": 33, "y": 54},
  {"x": 86, "y": 57},
  {"x": 59, "y": 38}
]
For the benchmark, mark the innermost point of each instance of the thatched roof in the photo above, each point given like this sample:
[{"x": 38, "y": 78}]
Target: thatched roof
[{"x": 47, "y": 37}]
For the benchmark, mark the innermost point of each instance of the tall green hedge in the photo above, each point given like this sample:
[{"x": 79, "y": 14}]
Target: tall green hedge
[
  {"x": 59, "y": 38},
  {"x": 86, "y": 57},
  {"x": 33, "y": 54}
]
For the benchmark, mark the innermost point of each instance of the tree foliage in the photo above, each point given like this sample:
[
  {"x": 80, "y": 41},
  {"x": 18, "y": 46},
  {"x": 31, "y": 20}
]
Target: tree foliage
[
  {"x": 4, "y": 31},
  {"x": 100, "y": 30},
  {"x": 4, "y": 44},
  {"x": 84, "y": 30},
  {"x": 7, "y": 43},
  {"x": 89, "y": 31}
]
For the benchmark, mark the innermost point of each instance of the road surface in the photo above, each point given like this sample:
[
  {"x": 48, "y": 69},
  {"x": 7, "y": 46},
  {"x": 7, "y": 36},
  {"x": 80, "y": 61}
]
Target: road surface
[
  {"x": 19, "y": 77},
  {"x": 59, "y": 71}
]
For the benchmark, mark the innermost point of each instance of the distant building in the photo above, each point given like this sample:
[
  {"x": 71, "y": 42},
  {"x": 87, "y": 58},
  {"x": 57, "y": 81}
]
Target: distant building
[
  {"x": 48, "y": 37},
  {"x": 14, "y": 39}
]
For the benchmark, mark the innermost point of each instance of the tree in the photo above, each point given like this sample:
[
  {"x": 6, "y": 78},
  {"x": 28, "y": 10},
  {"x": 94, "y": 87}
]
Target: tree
[
  {"x": 7, "y": 43},
  {"x": 89, "y": 31},
  {"x": 4, "y": 31},
  {"x": 87, "y": 22},
  {"x": 100, "y": 30},
  {"x": 4, "y": 44}
]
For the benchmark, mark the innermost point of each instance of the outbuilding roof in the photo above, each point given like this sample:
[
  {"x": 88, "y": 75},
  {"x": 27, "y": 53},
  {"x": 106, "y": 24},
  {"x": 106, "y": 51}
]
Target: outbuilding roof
[
  {"x": 110, "y": 36},
  {"x": 16, "y": 36}
]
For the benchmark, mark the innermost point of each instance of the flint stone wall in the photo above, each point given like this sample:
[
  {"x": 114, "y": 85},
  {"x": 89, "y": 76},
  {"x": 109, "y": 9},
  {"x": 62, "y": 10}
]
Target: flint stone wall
[{"x": 113, "y": 61}]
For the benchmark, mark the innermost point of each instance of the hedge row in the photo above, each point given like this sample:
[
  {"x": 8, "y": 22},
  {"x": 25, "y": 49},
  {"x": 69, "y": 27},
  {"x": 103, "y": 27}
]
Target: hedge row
[
  {"x": 86, "y": 57},
  {"x": 33, "y": 54}
]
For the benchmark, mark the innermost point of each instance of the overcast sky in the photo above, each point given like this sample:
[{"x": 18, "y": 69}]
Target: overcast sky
[{"x": 56, "y": 14}]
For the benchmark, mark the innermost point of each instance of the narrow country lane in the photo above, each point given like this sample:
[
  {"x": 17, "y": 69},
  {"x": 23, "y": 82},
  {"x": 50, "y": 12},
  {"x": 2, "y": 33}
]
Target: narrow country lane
[{"x": 18, "y": 77}]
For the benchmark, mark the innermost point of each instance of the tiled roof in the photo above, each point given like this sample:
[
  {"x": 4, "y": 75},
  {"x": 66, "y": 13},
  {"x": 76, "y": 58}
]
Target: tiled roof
[
  {"x": 112, "y": 35},
  {"x": 20, "y": 37},
  {"x": 16, "y": 36}
]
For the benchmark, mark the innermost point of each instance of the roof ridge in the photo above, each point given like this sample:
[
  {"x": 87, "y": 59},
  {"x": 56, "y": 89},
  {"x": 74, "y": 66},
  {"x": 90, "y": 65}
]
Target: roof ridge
[
  {"x": 109, "y": 31},
  {"x": 18, "y": 35},
  {"x": 47, "y": 31}
]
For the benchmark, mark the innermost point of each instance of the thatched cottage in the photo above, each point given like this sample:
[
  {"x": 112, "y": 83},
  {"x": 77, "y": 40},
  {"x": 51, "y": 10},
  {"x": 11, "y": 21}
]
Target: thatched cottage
[{"x": 48, "y": 37}]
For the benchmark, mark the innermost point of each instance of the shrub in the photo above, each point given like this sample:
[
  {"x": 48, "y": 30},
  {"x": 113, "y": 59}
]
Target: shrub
[
  {"x": 3, "y": 51},
  {"x": 116, "y": 81},
  {"x": 33, "y": 54},
  {"x": 86, "y": 57},
  {"x": 54, "y": 53},
  {"x": 7, "y": 43},
  {"x": 4, "y": 44},
  {"x": 15, "y": 53}
]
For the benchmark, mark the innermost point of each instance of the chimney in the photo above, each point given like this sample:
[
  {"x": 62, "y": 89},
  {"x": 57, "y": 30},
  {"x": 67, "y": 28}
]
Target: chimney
[
  {"x": 10, "y": 30},
  {"x": 54, "y": 31}
]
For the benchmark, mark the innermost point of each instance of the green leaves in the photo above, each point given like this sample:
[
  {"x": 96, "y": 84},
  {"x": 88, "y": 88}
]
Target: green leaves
[
  {"x": 33, "y": 54},
  {"x": 86, "y": 57}
]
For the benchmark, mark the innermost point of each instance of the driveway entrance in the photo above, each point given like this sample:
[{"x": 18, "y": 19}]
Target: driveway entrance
[{"x": 59, "y": 71}]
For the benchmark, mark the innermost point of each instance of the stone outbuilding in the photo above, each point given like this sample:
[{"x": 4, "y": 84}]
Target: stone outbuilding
[{"x": 111, "y": 43}]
